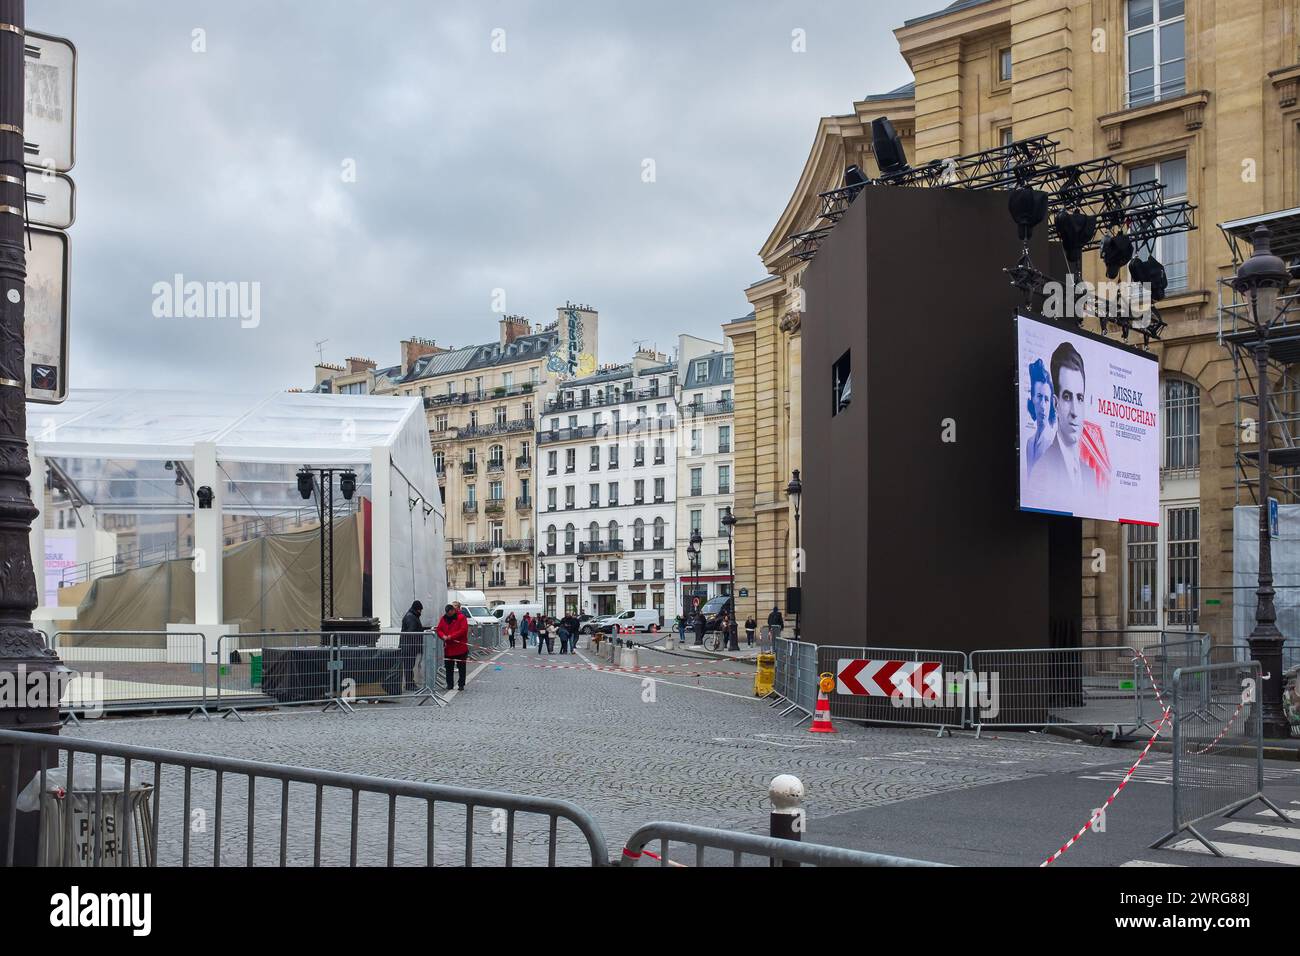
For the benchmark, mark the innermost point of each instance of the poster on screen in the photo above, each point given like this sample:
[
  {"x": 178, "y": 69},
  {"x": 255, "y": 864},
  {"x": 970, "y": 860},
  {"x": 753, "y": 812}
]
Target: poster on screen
[
  {"x": 1089, "y": 426},
  {"x": 60, "y": 554}
]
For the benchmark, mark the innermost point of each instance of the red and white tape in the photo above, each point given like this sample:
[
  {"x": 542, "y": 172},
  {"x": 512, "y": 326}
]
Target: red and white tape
[{"x": 1127, "y": 777}]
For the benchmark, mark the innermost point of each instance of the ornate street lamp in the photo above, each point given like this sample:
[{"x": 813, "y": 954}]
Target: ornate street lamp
[
  {"x": 1260, "y": 280},
  {"x": 728, "y": 522},
  {"x": 582, "y": 564},
  {"x": 693, "y": 556},
  {"x": 482, "y": 570},
  {"x": 795, "y": 492},
  {"x": 541, "y": 577}
]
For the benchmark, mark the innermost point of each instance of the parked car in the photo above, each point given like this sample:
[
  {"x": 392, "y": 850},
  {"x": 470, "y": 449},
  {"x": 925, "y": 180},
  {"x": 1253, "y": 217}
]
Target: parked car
[{"x": 640, "y": 619}]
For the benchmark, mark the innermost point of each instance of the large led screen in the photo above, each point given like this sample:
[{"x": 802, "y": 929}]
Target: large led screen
[{"x": 1089, "y": 426}]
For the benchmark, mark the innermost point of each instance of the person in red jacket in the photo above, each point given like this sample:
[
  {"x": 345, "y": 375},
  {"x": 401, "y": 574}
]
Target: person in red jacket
[{"x": 453, "y": 628}]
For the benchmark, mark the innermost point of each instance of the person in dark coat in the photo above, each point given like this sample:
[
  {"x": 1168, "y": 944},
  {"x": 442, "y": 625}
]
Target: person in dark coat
[
  {"x": 750, "y": 625},
  {"x": 544, "y": 634},
  {"x": 410, "y": 644},
  {"x": 510, "y": 628},
  {"x": 699, "y": 629},
  {"x": 453, "y": 628},
  {"x": 525, "y": 626},
  {"x": 775, "y": 622}
]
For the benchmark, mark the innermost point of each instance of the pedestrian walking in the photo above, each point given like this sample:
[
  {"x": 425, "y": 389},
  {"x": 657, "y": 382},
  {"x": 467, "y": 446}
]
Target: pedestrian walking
[
  {"x": 544, "y": 635},
  {"x": 511, "y": 624},
  {"x": 525, "y": 626},
  {"x": 681, "y": 629},
  {"x": 750, "y": 626},
  {"x": 775, "y": 622},
  {"x": 569, "y": 633},
  {"x": 453, "y": 628},
  {"x": 411, "y": 643}
]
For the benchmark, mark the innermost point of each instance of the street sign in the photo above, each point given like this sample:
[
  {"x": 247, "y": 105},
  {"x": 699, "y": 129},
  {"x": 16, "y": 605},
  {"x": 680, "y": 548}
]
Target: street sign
[
  {"x": 45, "y": 317},
  {"x": 912, "y": 680},
  {"x": 50, "y": 103},
  {"x": 1272, "y": 517},
  {"x": 51, "y": 200}
]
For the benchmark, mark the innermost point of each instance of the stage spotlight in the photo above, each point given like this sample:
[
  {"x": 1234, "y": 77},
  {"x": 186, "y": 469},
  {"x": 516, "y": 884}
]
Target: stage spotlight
[
  {"x": 888, "y": 148},
  {"x": 853, "y": 176},
  {"x": 1116, "y": 250},
  {"x": 1150, "y": 271},
  {"x": 168, "y": 465},
  {"x": 306, "y": 481},
  {"x": 348, "y": 484},
  {"x": 428, "y": 509},
  {"x": 204, "y": 494},
  {"x": 1074, "y": 230},
  {"x": 179, "y": 480},
  {"x": 1028, "y": 208}
]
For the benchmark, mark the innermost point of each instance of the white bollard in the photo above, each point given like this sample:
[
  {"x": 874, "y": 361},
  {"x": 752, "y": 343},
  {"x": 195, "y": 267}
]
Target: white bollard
[{"x": 787, "y": 820}]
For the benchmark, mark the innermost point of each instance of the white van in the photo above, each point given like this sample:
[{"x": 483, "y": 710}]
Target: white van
[
  {"x": 474, "y": 604},
  {"x": 640, "y": 619},
  {"x": 503, "y": 611}
]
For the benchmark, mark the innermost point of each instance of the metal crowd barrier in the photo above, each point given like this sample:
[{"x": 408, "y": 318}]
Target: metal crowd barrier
[
  {"x": 1218, "y": 746},
  {"x": 196, "y": 808},
  {"x": 737, "y": 845},
  {"x": 1240, "y": 651},
  {"x": 135, "y": 670},
  {"x": 795, "y": 680},
  {"x": 484, "y": 639},
  {"x": 1062, "y": 687},
  {"x": 924, "y": 695}
]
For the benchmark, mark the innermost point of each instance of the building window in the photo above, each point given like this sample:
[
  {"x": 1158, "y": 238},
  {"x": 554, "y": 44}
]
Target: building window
[
  {"x": 594, "y": 459},
  {"x": 1182, "y": 421},
  {"x": 570, "y": 460},
  {"x": 724, "y": 479},
  {"x": 440, "y": 462},
  {"x": 638, "y": 597},
  {"x": 550, "y": 539},
  {"x": 613, "y": 571},
  {"x": 550, "y": 499},
  {"x": 724, "y": 439},
  {"x": 569, "y": 497},
  {"x": 1171, "y": 251},
  {"x": 728, "y": 366},
  {"x": 659, "y": 533},
  {"x": 570, "y": 538},
  {"x": 724, "y": 559},
  {"x": 659, "y": 568},
  {"x": 613, "y": 492},
  {"x": 500, "y": 415},
  {"x": 638, "y": 573},
  {"x": 638, "y": 491},
  {"x": 1183, "y": 564},
  {"x": 659, "y": 490},
  {"x": 697, "y": 519},
  {"x": 593, "y": 496},
  {"x": 1004, "y": 65},
  {"x": 695, "y": 441},
  {"x": 1142, "y": 586},
  {"x": 697, "y": 481},
  {"x": 613, "y": 456},
  {"x": 701, "y": 369},
  {"x": 638, "y": 535},
  {"x": 659, "y": 451},
  {"x": 1155, "y": 49},
  {"x": 495, "y": 491},
  {"x": 638, "y": 454},
  {"x": 497, "y": 456},
  {"x": 551, "y": 466}
]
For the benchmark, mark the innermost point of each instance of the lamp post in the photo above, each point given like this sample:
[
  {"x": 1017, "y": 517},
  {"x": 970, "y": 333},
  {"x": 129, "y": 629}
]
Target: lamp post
[
  {"x": 541, "y": 577},
  {"x": 728, "y": 522},
  {"x": 1260, "y": 280},
  {"x": 693, "y": 557},
  {"x": 795, "y": 492},
  {"x": 582, "y": 564},
  {"x": 482, "y": 570}
]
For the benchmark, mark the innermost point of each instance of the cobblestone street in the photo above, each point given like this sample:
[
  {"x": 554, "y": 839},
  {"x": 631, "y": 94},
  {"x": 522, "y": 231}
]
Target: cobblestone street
[{"x": 693, "y": 749}]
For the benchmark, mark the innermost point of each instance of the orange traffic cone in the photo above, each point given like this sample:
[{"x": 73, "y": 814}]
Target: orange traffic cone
[{"x": 822, "y": 718}]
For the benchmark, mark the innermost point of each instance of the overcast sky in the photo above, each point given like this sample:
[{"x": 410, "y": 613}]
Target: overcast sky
[{"x": 475, "y": 170}]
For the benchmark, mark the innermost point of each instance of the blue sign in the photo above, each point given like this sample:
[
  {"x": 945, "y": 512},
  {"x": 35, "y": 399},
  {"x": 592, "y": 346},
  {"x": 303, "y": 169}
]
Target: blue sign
[{"x": 1272, "y": 517}]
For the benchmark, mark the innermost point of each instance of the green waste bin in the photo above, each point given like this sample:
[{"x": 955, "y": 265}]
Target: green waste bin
[{"x": 254, "y": 670}]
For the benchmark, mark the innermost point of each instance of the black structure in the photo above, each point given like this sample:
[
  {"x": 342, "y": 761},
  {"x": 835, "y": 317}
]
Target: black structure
[
  {"x": 909, "y": 324},
  {"x": 321, "y": 481},
  {"x": 21, "y": 646}
]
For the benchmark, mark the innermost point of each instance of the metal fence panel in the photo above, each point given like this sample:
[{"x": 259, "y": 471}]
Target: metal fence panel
[
  {"x": 731, "y": 848},
  {"x": 1218, "y": 745},
  {"x": 796, "y": 674},
  {"x": 1080, "y": 686},
  {"x": 124, "y": 670},
  {"x": 265, "y": 814},
  {"x": 929, "y": 701}
]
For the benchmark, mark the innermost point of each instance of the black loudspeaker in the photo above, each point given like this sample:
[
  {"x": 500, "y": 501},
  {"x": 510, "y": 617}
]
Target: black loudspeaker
[{"x": 794, "y": 600}]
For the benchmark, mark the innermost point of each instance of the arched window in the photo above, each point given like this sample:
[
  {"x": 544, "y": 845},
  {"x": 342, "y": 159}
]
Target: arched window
[
  {"x": 638, "y": 534},
  {"x": 1182, "y": 420},
  {"x": 497, "y": 455},
  {"x": 613, "y": 533},
  {"x": 659, "y": 532},
  {"x": 550, "y": 539},
  {"x": 569, "y": 532},
  {"x": 593, "y": 533}
]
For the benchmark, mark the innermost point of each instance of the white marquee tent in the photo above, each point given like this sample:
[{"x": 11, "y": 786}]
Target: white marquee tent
[{"x": 126, "y": 451}]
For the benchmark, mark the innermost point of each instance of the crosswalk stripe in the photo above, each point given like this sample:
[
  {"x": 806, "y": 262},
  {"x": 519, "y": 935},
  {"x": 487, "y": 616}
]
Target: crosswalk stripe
[
  {"x": 1257, "y": 829},
  {"x": 1150, "y": 863},
  {"x": 1240, "y": 851}
]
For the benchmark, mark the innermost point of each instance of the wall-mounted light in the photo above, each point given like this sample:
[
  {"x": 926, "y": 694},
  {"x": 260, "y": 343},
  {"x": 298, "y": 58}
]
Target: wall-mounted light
[{"x": 204, "y": 494}]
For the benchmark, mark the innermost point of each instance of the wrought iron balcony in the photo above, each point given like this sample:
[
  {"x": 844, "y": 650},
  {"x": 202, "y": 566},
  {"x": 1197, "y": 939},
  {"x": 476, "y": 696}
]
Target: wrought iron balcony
[
  {"x": 514, "y": 545},
  {"x": 494, "y": 506},
  {"x": 696, "y": 409},
  {"x": 497, "y": 428},
  {"x": 469, "y": 507},
  {"x": 495, "y": 466},
  {"x": 611, "y": 546},
  {"x": 524, "y": 462},
  {"x": 469, "y": 467},
  {"x": 523, "y": 503}
]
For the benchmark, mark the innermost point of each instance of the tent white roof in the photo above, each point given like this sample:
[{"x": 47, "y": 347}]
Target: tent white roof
[{"x": 283, "y": 427}]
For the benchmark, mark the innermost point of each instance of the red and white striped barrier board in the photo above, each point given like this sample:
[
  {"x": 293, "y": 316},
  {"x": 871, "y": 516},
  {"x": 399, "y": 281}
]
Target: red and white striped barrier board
[{"x": 913, "y": 680}]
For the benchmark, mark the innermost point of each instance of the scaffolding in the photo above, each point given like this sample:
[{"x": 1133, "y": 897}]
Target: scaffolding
[{"x": 1241, "y": 338}]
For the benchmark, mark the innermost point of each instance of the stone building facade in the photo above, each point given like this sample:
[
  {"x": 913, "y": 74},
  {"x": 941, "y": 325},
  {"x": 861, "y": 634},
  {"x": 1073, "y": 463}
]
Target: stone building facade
[{"x": 1197, "y": 94}]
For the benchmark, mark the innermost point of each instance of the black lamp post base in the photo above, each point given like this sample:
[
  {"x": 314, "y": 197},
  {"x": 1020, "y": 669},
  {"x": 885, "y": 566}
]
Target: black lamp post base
[{"x": 1266, "y": 647}]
